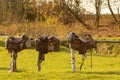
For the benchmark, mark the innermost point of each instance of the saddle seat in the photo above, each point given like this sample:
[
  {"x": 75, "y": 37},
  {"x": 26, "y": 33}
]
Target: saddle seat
[
  {"x": 15, "y": 40},
  {"x": 83, "y": 40}
]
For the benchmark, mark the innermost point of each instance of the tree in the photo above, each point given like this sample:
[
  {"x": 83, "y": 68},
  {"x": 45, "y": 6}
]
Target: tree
[
  {"x": 118, "y": 9},
  {"x": 10, "y": 7},
  {"x": 74, "y": 9},
  {"x": 98, "y": 4},
  {"x": 108, "y": 1}
]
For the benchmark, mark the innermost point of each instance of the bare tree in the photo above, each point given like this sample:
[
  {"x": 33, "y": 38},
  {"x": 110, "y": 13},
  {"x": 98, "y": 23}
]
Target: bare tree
[
  {"x": 10, "y": 7},
  {"x": 108, "y": 1},
  {"x": 98, "y": 4},
  {"x": 118, "y": 9},
  {"x": 73, "y": 7}
]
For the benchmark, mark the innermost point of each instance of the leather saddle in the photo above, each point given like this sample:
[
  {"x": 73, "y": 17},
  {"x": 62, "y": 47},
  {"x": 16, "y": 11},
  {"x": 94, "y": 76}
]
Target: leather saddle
[
  {"x": 73, "y": 37},
  {"x": 83, "y": 40},
  {"x": 14, "y": 39}
]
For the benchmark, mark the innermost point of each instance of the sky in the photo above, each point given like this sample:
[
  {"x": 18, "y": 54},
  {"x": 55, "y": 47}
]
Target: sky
[{"x": 89, "y": 6}]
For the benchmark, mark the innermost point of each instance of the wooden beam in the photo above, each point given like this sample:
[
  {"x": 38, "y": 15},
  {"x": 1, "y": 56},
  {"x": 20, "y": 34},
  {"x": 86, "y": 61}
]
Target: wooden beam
[
  {"x": 97, "y": 41},
  {"x": 72, "y": 59},
  {"x": 107, "y": 41}
]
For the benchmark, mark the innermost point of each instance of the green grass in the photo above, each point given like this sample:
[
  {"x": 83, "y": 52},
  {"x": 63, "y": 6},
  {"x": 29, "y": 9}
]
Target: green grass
[{"x": 57, "y": 66}]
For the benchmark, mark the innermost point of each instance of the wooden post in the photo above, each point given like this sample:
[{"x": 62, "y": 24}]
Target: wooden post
[
  {"x": 13, "y": 61},
  {"x": 91, "y": 59},
  {"x": 39, "y": 66},
  {"x": 39, "y": 62},
  {"x": 72, "y": 59}
]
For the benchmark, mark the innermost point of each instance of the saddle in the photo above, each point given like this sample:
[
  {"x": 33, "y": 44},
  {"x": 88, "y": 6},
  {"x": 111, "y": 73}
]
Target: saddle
[
  {"x": 14, "y": 39},
  {"x": 14, "y": 43},
  {"x": 53, "y": 44},
  {"x": 73, "y": 37},
  {"x": 42, "y": 44},
  {"x": 83, "y": 40},
  {"x": 81, "y": 44}
]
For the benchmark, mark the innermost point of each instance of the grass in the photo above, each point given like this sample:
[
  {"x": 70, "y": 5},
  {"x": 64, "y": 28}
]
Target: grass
[{"x": 57, "y": 66}]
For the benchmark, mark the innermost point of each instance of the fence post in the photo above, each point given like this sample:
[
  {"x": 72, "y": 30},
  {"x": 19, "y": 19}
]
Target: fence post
[{"x": 72, "y": 59}]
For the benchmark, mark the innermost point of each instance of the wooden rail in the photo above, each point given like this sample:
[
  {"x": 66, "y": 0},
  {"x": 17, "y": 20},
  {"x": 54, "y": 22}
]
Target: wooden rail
[
  {"x": 98, "y": 41},
  {"x": 107, "y": 41},
  {"x": 3, "y": 36}
]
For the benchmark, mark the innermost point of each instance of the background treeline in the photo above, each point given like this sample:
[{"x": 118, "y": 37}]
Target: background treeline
[
  {"x": 55, "y": 18},
  {"x": 25, "y": 16},
  {"x": 12, "y": 11}
]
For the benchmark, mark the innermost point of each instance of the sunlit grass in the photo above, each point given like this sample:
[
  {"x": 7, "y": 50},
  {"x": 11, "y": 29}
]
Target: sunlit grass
[{"x": 57, "y": 66}]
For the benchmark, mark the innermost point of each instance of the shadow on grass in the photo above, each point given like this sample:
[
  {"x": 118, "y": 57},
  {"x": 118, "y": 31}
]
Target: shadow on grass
[
  {"x": 104, "y": 73},
  {"x": 2, "y": 44},
  {"x": 18, "y": 71},
  {"x": 64, "y": 49},
  {"x": 4, "y": 68},
  {"x": 105, "y": 55}
]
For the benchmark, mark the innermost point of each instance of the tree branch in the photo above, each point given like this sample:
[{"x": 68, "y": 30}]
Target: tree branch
[
  {"x": 77, "y": 17},
  {"x": 112, "y": 11}
]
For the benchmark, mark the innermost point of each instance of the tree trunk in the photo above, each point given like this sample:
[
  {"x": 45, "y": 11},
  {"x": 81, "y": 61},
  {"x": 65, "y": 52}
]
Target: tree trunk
[
  {"x": 119, "y": 13},
  {"x": 112, "y": 11},
  {"x": 77, "y": 17},
  {"x": 62, "y": 2},
  {"x": 98, "y": 9}
]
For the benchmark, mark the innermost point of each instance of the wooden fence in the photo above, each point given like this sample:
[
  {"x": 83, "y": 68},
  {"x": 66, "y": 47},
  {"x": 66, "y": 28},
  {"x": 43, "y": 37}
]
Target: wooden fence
[{"x": 107, "y": 41}]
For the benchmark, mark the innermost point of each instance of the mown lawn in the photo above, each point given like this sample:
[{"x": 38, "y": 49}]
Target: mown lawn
[{"x": 57, "y": 66}]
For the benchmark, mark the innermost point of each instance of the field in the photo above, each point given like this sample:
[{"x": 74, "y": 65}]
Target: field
[{"x": 57, "y": 66}]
